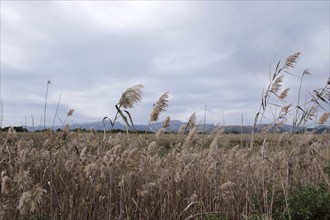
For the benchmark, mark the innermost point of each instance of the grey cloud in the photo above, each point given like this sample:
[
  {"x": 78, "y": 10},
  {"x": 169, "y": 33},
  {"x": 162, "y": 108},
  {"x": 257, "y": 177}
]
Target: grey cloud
[{"x": 217, "y": 53}]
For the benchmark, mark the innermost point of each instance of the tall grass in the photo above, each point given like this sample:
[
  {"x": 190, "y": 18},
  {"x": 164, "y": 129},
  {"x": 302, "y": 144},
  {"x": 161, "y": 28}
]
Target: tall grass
[{"x": 184, "y": 175}]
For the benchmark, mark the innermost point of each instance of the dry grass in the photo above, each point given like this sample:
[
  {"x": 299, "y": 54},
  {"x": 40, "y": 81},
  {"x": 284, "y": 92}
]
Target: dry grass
[
  {"x": 159, "y": 107},
  {"x": 81, "y": 177},
  {"x": 74, "y": 175}
]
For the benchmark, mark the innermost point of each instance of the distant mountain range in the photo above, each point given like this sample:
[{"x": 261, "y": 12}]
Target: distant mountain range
[{"x": 175, "y": 125}]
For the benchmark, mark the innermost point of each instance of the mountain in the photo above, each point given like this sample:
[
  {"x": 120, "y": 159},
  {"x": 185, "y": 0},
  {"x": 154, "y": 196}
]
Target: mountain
[{"x": 176, "y": 124}]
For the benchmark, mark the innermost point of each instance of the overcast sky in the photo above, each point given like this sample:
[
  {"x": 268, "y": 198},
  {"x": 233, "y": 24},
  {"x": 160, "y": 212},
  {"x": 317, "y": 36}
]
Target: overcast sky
[{"x": 202, "y": 52}]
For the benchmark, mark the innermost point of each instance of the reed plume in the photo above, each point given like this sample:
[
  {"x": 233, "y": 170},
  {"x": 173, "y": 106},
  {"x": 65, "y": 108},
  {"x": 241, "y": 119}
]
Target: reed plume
[
  {"x": 24, "y": 202},
  {"x": 166, "y": 122},
  {"x": 277, "y": 84},
  {"x": 159, "y": 133},
  {"x": 227, "y": 185},
  {"x": 6, "y": 185},
  {"x": 159, "y": 107},
  {"x": 190, "y": 137},
  {"x": 192, "y": 121},
  {"x": 323, "y": 119},
  {"x": 131, "y": 96},
  {"x": 284, "y": 94},
  {"x": 291, "y": 60},
  {"x": 70, "y": 112},
  {"x": 285, "y": 109},
  {"x": 152, "y": 146},
  {"x": 182, "y": 129}
]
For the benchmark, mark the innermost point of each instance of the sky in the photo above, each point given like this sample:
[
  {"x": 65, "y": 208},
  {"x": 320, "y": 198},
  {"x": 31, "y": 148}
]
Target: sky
[{"x": 209, "y": 55}]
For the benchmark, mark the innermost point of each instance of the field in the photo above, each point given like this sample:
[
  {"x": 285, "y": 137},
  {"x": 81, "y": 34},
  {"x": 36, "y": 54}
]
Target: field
[
  {"x": 183, "y": 175},
  {"x": 70, "y": 175}
]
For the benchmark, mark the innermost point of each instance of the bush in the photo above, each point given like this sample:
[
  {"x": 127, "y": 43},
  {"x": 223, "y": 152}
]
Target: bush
[
  {"x": 309, "y": 202},
  {"x": 305, "y": 202}
]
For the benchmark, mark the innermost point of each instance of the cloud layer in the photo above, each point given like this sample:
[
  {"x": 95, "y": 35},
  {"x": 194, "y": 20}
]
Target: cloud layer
[{"x": 216, "y": 53}]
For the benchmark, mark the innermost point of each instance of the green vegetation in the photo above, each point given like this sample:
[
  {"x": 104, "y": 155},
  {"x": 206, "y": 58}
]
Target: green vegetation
[
  {"x": 17, "y": 129},
  {"x": 309, "y": 202}
]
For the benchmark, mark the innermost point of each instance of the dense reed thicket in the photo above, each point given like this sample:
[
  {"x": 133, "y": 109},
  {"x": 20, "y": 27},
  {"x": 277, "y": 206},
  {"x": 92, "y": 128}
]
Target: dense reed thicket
[{"x": 187, "y": 175}]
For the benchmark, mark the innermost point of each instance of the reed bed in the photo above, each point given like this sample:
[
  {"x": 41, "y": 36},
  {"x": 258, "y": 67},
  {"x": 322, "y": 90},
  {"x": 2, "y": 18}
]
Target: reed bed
[
  {"x": 184, "y": 175},
  {"x": 78, "y": 176}
]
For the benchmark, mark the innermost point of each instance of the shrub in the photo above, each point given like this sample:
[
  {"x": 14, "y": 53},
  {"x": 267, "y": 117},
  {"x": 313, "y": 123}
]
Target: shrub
[
  {"x": 305, "y": 202},
  {"x": 309, "y": 202}
]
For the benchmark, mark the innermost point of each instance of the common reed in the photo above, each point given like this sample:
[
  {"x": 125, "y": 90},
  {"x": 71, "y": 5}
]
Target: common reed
[
  {"x": 7, "y": 184},
  {"x": 128, "y": 100},
  {"x": 129, "y": 179},
  {"x": 185, "y": 175},
  {"x": 159, "y": 107}
]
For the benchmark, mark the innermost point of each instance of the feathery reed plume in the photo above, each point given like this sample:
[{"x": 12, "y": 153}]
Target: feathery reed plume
[
  {"x": 190, "y": 137},
  {"x": 70, "y": 112},
  {"x": 11, "y": 135},
  {"x": 284, "y": 94},
  {"x": 192, "y": 121},
  {"x": 166, "y": 122},
  {"x": 181, "y": 129},
  {"x": 215, "y": 143},
  {"x": 128, "y": 99},
  {"x": 310, "y": 114},
  {"x": 92, "y": 130},
  {"x": 227, "y": 185},
  {"x": 33, "y": 153},
  {"x": 323, "y": 119},
  {"x": 23, "y": 155},
  {"x": 159, "y": 133},
  {"x": 285, "y": 109},
  {"x": 24, "y": 202},
  {"x": 6, "y": 185},
  {"x": 83, "y": 154},
  {"x": 291, "y": 60},
  {"x": 90, "y": 170},
  {"x": 152, "y": 146},
  {"x": 3, "y": 173},
  {"x": 104, "y": 172},
  {"x": 159, "y": 107},
  {"x": 131, "y": 96},
  {"x": 68, "y": 165},
  {"x": 36, "y": 195},
  {"x": 277, "y": 84}
]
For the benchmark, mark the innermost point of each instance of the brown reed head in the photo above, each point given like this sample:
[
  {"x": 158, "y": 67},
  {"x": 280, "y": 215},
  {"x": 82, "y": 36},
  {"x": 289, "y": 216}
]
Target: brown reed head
[
  {"x": 131, "y": 96},
  {"x": 159, "y": 107},
  {"x": 291, "y": 60}
]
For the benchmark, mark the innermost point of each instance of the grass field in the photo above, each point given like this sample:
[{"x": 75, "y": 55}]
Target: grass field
[
  {"x": 183, "y": 175},
  {"x": 69, "y": 175}
]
